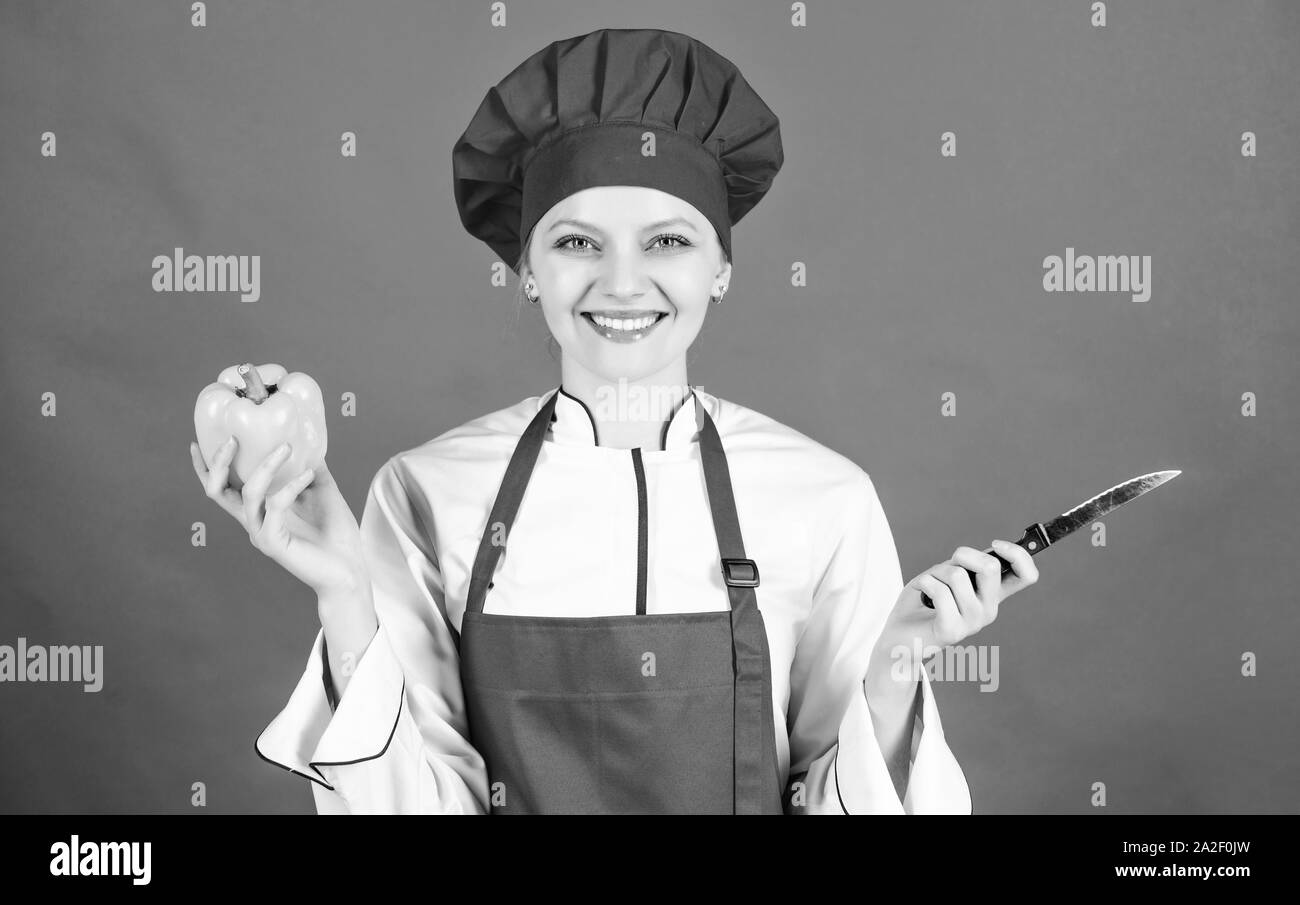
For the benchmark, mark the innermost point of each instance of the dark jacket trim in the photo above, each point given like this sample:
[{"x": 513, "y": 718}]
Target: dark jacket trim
[
  {"x": 642, "y": 533},
  {"x": 690, "y": 398},
  {"x": 836, "y": 766},
  {"x": 315, "y": 764},
  {"x": 595, "y": 434}
]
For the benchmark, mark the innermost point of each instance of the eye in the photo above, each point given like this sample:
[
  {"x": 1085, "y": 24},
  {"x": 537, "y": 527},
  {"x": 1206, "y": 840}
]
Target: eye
[
  {"x": 562, "y": 243},
  {"x": 682, "y": 240}
]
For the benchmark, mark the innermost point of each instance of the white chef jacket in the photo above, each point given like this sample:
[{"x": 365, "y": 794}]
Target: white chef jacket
[{"x": 397, "y": 742}]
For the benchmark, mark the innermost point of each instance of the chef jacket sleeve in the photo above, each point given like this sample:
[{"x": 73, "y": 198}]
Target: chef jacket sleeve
[
  {"x": 397, "y": 739},
  {"x": 831, "y": 733}
]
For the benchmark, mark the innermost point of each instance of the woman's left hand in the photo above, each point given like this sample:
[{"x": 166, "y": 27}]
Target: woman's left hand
[{"x": 960, "y": 610}]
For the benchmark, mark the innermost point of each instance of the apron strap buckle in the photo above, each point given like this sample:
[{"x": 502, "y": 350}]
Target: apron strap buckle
[{"x": 740, "y": 573}]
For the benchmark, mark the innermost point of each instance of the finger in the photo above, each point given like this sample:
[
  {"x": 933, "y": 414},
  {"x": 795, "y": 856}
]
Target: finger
[
  {"x": 1022, "y": 562},
  {"x": 963, "y": 592},
  {"x": 988, "y": 577},
  {"x": 284, "y": 497},
  {"x": 219, "y": 470},
  {"x": 279, "y": 502},
  {"x": 948, "y": 623},
  {"x": 255, "y": 488},
  {"x": 200, "y": 467},
  {"x": 216, "y": 479}
]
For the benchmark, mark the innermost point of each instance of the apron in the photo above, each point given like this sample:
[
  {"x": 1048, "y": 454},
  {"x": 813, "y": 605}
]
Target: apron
[{"x": 660, "y": 713}]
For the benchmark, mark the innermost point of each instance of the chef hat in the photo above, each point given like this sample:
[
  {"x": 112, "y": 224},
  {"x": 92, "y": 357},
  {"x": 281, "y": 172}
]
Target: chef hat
[{"x": 573, "y": 116}]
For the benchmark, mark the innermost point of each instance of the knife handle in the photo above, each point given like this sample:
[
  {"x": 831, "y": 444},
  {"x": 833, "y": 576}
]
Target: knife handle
[{"x": 1034, "y": 540}]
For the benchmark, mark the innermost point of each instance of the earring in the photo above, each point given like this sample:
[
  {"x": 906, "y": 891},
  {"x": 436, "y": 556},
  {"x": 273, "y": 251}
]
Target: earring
[
  {"x": 717, "y": 299},
  {"x": 530, "y": 293}
]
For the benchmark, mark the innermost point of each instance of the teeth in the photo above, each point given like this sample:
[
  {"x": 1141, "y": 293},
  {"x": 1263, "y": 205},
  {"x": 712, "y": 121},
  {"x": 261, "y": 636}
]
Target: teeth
[{"x": 632, "y": 324}]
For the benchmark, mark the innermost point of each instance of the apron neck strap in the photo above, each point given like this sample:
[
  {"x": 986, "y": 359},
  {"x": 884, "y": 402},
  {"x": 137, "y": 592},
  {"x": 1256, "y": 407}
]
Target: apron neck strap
[{"x": 739, "y": 574}]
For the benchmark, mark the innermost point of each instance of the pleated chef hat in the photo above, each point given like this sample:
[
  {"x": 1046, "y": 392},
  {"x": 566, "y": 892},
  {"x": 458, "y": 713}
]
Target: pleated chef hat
[{"x": 572, "y": 116}]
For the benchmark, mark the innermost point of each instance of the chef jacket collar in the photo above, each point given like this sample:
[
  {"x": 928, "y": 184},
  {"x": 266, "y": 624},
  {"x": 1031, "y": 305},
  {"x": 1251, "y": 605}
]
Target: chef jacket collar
[{"x": 573, "y": 424}]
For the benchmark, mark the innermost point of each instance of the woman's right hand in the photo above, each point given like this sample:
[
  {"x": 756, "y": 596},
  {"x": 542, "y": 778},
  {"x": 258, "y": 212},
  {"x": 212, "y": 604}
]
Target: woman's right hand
[{"x": 306, "y": 526}]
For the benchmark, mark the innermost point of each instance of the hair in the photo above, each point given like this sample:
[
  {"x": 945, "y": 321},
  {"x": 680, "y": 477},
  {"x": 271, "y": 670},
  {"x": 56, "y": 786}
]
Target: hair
[{"x": 520, "y": 266}]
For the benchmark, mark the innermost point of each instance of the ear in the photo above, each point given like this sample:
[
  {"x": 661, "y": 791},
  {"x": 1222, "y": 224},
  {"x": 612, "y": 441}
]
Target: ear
[{"x": 724, "y": 272}]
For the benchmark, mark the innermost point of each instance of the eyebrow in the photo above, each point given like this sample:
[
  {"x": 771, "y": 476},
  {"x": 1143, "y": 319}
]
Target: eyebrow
[{"x": 591, "y": 227}]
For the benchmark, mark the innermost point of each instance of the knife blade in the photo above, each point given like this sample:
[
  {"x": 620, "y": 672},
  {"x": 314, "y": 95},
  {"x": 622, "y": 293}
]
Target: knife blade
[{"x": 1041, "y": 535}]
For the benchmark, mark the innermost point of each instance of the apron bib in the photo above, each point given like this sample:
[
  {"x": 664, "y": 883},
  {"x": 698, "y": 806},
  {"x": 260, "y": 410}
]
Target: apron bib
[{"x": 562, "y": 708}]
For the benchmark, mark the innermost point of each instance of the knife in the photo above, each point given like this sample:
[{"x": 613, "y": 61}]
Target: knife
[{"x": 1039, "y": 536}]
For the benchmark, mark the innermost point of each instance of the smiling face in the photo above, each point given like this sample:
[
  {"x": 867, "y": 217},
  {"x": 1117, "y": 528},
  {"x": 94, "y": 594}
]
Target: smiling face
[{"x": 624, "y": 275}]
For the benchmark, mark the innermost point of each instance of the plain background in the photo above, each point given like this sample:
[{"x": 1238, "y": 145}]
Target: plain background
[{"x": 1122, "y": 665}]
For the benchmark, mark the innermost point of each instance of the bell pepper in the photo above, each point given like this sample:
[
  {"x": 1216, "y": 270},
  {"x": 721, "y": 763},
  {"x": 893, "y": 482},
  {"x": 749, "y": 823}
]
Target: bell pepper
[{"x": 262, "y": 407}]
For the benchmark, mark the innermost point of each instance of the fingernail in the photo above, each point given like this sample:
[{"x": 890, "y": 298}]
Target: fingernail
[{"x": 282, "y": 449}]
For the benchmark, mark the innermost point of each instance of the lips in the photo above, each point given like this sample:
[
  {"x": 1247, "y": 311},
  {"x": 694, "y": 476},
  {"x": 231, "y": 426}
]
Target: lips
[{"x": 624, "y": 325}]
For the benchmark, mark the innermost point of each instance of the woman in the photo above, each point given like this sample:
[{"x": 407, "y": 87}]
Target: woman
[{"x": 554, "y": 607}]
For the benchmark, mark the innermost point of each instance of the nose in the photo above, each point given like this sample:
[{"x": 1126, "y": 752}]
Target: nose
[{"x": 622, "y": 277}]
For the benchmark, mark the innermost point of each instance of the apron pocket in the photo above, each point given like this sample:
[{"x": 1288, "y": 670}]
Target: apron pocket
[
  {"x": 546, "y": 752},
  {"x": 667, "y": 750}
]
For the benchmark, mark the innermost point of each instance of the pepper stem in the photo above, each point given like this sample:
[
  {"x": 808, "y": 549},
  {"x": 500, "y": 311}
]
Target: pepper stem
[{"x": 253, "y": 386}]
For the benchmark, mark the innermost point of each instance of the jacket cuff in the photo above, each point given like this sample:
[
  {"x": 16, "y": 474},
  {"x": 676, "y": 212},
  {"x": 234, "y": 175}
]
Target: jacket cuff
[
  {"x": 936, "y": 784},
  {"x": 366, "y": 718},
  {"x": 309, "y": 733},
  {"x": 292, "y": 736}
]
